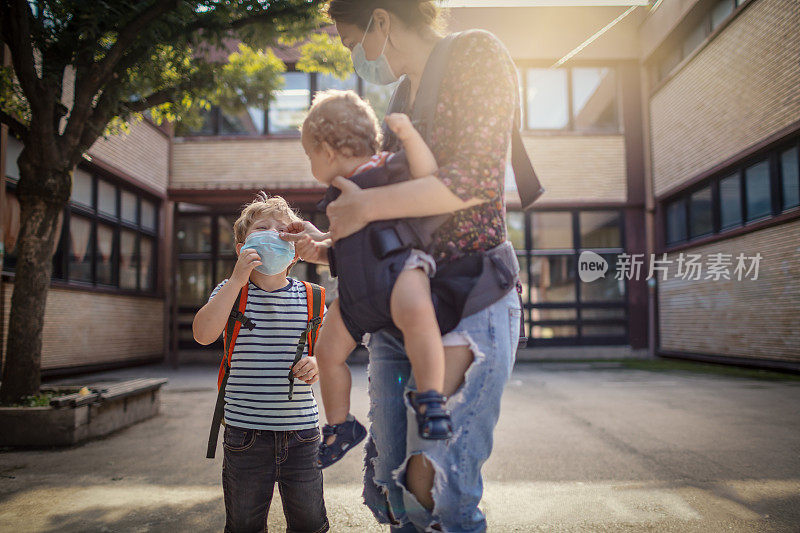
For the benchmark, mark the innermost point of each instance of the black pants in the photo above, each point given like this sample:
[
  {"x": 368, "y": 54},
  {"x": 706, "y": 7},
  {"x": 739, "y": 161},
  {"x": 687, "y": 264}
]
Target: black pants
[{"x": 254, "y": 461}]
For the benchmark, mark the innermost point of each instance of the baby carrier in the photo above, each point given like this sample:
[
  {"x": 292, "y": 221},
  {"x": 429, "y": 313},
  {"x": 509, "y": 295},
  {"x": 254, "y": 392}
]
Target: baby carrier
[{"x": 459, "y": 288}]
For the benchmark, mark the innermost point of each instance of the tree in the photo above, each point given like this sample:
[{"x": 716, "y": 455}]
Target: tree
[{"x": 80, "y": 68}]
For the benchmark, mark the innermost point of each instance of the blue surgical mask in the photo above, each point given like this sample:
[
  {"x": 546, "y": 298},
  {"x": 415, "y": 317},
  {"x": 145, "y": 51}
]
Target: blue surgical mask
[
  {"x": 376, "y": 71},
  {"x": 275, "y": 253}
]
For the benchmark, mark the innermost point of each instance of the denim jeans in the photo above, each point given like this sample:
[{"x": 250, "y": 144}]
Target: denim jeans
[
  {"x": 492, "y": 335},
  {"x": 255, "y": 459}
]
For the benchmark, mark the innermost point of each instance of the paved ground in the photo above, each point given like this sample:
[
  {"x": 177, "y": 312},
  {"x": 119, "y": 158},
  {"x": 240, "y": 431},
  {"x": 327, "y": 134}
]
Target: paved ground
[{"x": 579, "y": 447}]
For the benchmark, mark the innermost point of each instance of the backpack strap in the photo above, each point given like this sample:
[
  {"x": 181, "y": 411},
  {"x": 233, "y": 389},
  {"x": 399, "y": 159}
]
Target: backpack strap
[
  {"x": 424, "y": 110},
  {"x": 315, "y": 297},
  {"x": 235, "y": 320}
]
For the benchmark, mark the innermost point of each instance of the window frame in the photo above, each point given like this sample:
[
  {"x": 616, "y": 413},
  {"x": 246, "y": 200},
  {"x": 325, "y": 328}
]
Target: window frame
[
  {"x": 523, "y": 69},
  {"x": 579, "y": 305},
  {"x": 216, "y": 111},
  {"x": 674, "y": 43},
  {"x": 60, "y": 273},
  {"x": 772, "y": 156}
]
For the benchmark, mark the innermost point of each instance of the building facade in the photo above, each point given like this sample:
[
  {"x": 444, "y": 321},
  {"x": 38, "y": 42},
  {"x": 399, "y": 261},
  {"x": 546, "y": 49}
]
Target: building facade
[{"x": 674, "y": 133}]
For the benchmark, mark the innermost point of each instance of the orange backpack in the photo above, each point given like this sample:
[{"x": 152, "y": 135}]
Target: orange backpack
[{"x": 315, "y": 295}]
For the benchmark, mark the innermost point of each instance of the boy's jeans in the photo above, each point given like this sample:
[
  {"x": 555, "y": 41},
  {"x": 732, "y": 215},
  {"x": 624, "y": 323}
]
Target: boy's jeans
[
  {"x": 255, "y": 459},
  {"x": 475, "y": 407}
]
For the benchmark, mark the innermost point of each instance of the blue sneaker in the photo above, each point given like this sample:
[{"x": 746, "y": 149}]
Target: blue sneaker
[
  {"x": 348, "y": 434},
  {"x": 434, "y": 423}
]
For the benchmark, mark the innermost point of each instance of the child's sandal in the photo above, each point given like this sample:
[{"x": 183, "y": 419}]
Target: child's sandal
[
  {"x": 348, "y": 434},
  {"x": 434, "y": 423}
]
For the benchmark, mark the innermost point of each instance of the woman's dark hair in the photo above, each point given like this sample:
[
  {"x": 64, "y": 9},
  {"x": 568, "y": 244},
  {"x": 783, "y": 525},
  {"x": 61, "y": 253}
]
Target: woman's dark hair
[{"x": 416, "y": 14}]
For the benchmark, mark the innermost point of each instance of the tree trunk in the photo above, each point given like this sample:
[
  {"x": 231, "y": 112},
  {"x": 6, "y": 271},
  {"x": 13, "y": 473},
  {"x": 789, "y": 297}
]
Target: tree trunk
[{"x": 42, "y": 194}]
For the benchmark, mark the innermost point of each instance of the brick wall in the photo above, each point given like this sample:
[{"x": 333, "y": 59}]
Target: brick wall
[
  {"x": 579, "y": 168},
  {"x": 87, "y": 328},
  {"x": 749, "y": 318},
  {"x": 143, "y": 153},
  {"x": 739, "y": 89},
  {"x": 246, "y": 163}
]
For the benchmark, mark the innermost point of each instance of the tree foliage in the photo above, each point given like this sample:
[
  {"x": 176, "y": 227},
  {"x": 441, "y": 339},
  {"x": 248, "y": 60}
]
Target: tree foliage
[
  {"x": 82, "y": 66},
  {"x": 324, "y": 54}
]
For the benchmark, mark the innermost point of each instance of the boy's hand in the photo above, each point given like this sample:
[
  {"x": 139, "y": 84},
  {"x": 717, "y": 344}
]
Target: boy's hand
[
  {"x": 247, "y": 261},
  {"x": 400, "y": 124},
  {"x": 307, "y": 370}
]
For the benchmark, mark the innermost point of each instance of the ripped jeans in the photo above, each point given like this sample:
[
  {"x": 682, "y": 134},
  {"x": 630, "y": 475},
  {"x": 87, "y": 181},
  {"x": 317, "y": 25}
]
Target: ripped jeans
[{"x": 492, "y": 334}]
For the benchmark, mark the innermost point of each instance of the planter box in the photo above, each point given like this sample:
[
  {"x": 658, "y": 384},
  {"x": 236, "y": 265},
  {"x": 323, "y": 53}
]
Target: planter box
[{"x": 74, "y": 418}]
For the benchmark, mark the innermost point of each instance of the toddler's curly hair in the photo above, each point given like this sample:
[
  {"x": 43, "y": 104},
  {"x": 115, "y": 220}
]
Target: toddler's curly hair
[{"x": 344, "y": 121}]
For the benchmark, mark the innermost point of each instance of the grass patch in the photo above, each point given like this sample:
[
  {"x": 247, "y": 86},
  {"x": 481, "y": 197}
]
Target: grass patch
[{"x": 667, "y": 365}]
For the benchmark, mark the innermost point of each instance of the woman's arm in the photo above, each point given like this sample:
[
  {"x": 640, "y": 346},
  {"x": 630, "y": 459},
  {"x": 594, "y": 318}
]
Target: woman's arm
[{"x": 357, "y": 207}]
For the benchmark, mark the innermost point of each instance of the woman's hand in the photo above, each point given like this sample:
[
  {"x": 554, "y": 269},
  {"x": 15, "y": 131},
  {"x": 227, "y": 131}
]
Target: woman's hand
[
  {"x": 349, "y": 213},
  {"x": 307, "y": 370},
  {"x": 311, "y": 251},
  {"x": 310, "y": 244},
  {"x": 295, "y": 230}
]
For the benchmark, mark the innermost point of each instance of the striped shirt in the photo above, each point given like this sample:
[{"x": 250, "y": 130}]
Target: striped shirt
[
  {"x": 377, "y": 160},
  {"x": 257, "y": 393}
]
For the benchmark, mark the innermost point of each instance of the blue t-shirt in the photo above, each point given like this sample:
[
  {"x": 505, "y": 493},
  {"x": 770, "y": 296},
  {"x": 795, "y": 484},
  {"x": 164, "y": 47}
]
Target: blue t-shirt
[{"x": 257, "y": 393}]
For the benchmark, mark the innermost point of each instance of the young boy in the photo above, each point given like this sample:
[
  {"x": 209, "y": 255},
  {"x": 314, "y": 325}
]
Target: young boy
[
  {"x": 341, "y": 137},
  {"x": 268, "y": 437}
]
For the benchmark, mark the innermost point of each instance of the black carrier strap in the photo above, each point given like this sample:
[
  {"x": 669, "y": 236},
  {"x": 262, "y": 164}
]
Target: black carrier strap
[
  {"x": 219, "y": 408},
  {"x": 423, "y": 115},
  {"x": 311, "y": 327}
]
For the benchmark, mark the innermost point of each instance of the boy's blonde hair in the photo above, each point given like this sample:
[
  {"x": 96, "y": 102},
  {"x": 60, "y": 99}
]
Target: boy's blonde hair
[
  {"x": 344, "y": 121},
  {"x": 263, "y": 205}
]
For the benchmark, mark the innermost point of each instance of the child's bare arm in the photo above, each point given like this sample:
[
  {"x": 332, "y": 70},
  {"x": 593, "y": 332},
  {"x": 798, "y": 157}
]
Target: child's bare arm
[
  {"x": 420, "y": 158},
  {"x": 210, "y": 320}
]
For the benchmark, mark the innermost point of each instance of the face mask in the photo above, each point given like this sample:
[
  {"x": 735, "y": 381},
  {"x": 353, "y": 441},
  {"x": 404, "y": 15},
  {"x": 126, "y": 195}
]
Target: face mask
[
  {"x": 376, "y": 71},
  {"x": 275, "y": 253}
]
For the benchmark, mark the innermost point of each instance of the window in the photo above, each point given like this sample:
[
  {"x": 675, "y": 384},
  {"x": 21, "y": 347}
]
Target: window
[
  {"x": 600, "y": 229},
  {"x": 101, "y": 243},
  {"x": 80, "y": 249},
  {"x": 790, "y": 178},
  {"x": 578, "y": 98},
  {"x": 327, "y": 81},
  {"x": 594, "y": 99},
  {"x": 547, "y": 99},
  {"x": 676, "y": 222},
  {"x": 747, "y": 192},
  {"x": 757, "y": 191},
  {"x": 82, "y": 184},
  {"x": 730, "y": 199},
  {"x": 104, "y": 254},
  {"x": 720, "y": 12},
  {"x": 694, "y": 39},
  {"x": 559, "y": 308},
  {"x": 716, "y": 15},
  {"x": 287, "y": 109},
  {"x": 700, "y": 213},
  {"x": 128, "y": 259},
  {"x": 248, "y": 121}
]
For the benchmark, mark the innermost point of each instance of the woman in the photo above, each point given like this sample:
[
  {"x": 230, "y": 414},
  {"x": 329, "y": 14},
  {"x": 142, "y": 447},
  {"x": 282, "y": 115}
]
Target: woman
[{"x": 410, "y": 483}]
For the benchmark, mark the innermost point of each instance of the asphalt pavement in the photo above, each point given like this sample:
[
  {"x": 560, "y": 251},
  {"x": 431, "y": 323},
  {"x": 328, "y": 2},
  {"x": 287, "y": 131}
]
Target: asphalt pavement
[{"x": 579, "y": 447}]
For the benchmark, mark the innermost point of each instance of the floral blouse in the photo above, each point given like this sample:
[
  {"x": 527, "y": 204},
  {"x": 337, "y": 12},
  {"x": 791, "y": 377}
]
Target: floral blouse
[{"x": 470, "y": 139}]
